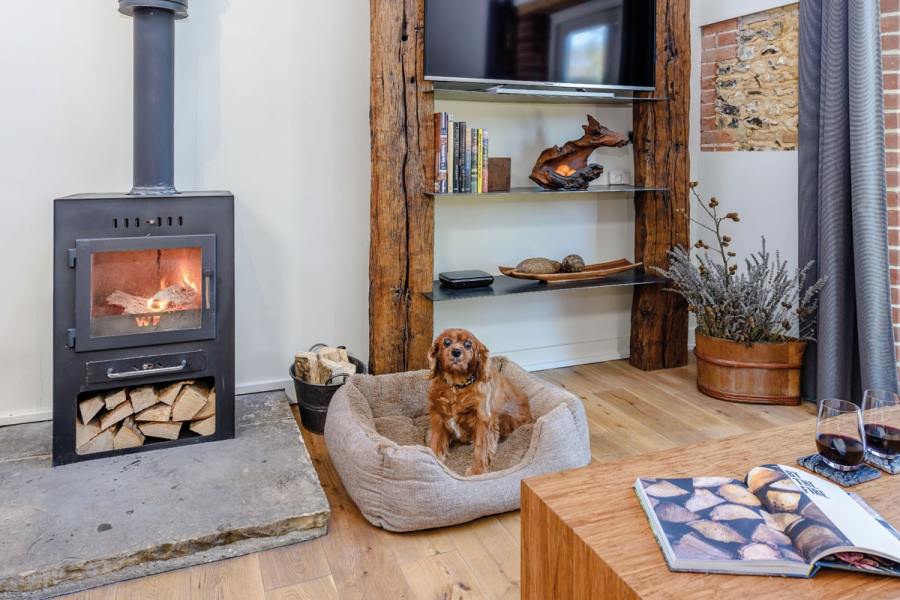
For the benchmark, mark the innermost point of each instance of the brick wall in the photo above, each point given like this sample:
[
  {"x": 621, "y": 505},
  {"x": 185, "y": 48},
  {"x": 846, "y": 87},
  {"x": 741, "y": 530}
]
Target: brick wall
[
  {"x": 890, "y": 46},
  {"x": 749, "y": 82}
]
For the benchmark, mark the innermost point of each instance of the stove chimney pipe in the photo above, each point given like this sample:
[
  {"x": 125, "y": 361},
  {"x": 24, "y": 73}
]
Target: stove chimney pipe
[{"x": 154, "y": 92}]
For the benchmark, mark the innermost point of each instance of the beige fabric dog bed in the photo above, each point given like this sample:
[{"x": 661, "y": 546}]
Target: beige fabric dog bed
[{"x": 376, "y": 436}]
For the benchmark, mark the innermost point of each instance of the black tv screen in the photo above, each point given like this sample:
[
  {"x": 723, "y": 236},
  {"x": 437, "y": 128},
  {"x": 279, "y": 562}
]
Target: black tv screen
[{"x": 589, "y": 43}]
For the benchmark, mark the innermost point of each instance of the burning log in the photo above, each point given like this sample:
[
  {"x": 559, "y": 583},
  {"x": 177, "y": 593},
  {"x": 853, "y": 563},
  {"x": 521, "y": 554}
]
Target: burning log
[
  {"x": 567, "y": 168},
  {"x": 180, "y": 296}
]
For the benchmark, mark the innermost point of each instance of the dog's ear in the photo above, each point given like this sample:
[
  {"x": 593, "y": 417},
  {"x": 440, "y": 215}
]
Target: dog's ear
[
  {"x": 482, "y": 360},
  {"x": 434, "y": 362}
]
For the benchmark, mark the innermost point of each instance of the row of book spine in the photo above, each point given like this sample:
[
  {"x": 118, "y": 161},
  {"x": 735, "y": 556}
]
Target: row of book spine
[{"x": 460, "y": 157}]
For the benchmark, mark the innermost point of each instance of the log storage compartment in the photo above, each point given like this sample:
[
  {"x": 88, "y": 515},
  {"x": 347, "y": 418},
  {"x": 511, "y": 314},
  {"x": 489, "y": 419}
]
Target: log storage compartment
[
  {"x": 143, "y": 287},
  {"x": 142, "y": 415}
]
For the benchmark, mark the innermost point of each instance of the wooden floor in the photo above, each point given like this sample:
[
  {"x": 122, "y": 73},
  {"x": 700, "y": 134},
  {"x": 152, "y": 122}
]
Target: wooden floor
[{"x": 630, "y": 412}]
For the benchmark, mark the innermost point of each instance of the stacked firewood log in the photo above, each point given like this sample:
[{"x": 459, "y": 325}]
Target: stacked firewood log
[
  {"x": 323, "y": 366},
  {"x": 130, "y": 417}
]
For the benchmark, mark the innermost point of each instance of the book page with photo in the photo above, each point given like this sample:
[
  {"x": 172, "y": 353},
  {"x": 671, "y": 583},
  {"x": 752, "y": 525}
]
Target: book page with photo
[{"x": 779, "y": 521}]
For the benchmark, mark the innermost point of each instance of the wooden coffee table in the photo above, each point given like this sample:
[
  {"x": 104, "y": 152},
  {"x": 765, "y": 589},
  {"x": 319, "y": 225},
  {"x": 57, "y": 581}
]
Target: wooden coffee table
[{"x": 584, "y": 534}]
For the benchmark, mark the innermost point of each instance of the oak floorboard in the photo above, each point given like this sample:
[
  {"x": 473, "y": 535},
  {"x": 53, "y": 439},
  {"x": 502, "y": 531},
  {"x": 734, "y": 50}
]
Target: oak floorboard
[
  {"x": 442, "y": 576},
  {"x": 322, "y": 588},
  {"x": 174, "y": 584},
  {"x": 233, "y": 579},
  {"x": 293, "y": 564},
  {"x": 629, "y": 412}
]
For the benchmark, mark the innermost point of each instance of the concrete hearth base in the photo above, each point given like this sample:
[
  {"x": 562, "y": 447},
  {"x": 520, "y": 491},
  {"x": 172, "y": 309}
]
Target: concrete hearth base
[{"x": 78, "y": 526}]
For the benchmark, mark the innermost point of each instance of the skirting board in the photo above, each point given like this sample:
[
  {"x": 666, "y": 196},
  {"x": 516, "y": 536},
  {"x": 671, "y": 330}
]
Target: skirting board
[
  {"x": 531, "y": 359},
  {"x": 17, "y": 418},
  {"x": 568, "y": 355}
]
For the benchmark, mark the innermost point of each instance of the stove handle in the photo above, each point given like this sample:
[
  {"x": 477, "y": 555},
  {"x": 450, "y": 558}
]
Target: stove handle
[
  {"x": 110, "y": 374},
  {"x": 208, "y": 279}
]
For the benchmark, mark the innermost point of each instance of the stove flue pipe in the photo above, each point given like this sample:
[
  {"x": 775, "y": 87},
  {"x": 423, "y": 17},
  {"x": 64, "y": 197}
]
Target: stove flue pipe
[{"x": 154, "y": 92}]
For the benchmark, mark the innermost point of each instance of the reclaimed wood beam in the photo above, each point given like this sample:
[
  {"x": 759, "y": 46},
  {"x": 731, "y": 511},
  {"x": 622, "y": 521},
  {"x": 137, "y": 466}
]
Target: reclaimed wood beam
[
  {"x": 659, "y": 319},
  {"x": 401, "y": 251}
]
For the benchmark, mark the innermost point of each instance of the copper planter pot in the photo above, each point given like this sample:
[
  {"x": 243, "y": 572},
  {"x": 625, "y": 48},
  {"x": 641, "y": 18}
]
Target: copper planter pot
[{"x": 761, "y": 373}]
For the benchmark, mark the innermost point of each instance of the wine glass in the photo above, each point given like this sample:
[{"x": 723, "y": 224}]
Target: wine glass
[
  {"x": 839, "y": 434},
  {"x": 881, "y": 423}
]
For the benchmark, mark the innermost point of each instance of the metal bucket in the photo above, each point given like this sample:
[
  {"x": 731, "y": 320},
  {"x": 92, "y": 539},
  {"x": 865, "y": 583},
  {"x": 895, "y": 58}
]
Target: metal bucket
[{"x": 313, "y": 399}]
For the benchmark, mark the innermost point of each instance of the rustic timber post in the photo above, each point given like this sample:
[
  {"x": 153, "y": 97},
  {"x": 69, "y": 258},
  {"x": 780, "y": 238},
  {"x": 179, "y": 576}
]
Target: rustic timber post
[
  {"x": 659, "y": 319},
  {"x": 401, "y": 251}
]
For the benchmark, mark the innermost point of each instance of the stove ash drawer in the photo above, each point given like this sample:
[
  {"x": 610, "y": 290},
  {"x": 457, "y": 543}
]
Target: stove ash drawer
[{"x": 141, "y": 367}]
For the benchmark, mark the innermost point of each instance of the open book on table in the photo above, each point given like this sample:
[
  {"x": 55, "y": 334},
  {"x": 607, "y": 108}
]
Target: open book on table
[{"x": 779, "y": 521}]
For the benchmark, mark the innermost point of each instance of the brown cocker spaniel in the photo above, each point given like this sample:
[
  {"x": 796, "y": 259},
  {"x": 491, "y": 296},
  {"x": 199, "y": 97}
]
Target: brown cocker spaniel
[{"x": 468, "y": 401}]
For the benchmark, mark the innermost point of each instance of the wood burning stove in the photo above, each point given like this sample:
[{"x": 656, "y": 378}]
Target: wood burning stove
[{"x": 143, "y": 299}]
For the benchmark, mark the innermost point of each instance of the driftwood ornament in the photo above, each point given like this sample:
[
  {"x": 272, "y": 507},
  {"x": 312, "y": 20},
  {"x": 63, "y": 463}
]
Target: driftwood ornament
[{"x": 567, "y": 168}]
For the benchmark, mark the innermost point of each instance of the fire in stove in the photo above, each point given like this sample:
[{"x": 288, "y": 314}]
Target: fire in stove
[{"x": 149, "y": 288}]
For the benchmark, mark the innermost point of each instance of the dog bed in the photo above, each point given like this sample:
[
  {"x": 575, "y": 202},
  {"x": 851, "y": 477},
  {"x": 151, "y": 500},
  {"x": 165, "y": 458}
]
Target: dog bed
[{"x": 376, "y": 435}]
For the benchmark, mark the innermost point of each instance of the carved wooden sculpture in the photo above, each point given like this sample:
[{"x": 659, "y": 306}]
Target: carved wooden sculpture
[{"x": 567, "y": 168}]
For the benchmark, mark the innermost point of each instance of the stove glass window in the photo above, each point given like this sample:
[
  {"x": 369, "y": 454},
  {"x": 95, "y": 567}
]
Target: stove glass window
[{"x": 146, "y": 291}]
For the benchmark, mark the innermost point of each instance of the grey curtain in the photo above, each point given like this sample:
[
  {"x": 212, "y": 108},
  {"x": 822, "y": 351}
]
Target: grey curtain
[{"x": 842, "y": 212}]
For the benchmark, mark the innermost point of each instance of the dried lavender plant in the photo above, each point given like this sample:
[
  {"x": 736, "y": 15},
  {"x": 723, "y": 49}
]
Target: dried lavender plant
[{"x": 759, "y": 304}]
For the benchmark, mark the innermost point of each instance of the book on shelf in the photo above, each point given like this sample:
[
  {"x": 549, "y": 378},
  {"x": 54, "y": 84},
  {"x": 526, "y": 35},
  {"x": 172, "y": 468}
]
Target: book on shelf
[
  {"x": 459, "y": 185},
  {"x": 450, "y": 152},
  {"x": 777, "y": 521},
  {"x": 461, "y": 156},
  {"x": 484, "y": 163},
  {"x": 480, "y": 161},
  {"x": 473, "y": 167},
  {"x": 441, "y": 140},
  {"x": 466, "y": 171}
]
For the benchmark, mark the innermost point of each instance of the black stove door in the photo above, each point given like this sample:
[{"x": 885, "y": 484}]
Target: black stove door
[{"x": 140, "y": 291}]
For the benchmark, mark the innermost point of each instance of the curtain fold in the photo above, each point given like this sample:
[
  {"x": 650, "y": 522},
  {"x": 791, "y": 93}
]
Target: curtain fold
[{"x": 842, "y": 195}]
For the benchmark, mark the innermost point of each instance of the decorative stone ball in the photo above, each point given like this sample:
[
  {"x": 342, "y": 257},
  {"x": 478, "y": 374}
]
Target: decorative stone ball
[
  {"x": 538, "y": 266},
  {"x": 573, "y": 264}
]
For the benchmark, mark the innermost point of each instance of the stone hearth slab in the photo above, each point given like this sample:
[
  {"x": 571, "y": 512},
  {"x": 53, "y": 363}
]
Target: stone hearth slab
[{"x": 83, "y": 525}]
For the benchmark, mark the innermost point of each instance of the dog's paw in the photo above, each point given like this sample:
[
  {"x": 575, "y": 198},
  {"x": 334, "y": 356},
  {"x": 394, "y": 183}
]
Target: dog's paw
[{"x": 472, "y": 471}]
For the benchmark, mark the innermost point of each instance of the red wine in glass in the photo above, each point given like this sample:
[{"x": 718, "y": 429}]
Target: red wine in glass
[
  {"x": 841, "y": 449},
  {"x": 840, "y": 438},
  {"x": 881, "y": 423},
  {"x": 883, "y": 440}
]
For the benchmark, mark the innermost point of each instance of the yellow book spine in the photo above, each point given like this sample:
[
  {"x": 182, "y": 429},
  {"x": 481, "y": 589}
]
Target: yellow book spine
[{"x": 480, "y": 159}]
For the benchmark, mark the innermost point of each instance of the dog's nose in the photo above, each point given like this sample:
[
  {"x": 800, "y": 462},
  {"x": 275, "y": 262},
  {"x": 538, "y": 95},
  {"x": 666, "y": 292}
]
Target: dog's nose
[{"x": 456, "y": 353}]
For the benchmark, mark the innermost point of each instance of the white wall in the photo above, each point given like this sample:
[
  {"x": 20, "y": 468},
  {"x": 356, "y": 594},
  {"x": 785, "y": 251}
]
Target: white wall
[
  {"x": 760, "y": 186},
  {"x": 267, "y": 99}
]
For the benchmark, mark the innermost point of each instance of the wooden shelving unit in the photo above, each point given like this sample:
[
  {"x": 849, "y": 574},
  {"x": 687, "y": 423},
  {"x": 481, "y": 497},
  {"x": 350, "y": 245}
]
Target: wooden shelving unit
[
  {"x": 536, "y": 191},
  {"x": 524, "y": 98},
  {"x": 506, "y": 286},
  {"x": 401, "y": 254}
]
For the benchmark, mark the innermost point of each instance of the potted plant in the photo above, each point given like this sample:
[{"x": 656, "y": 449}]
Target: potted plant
[{"x": 752, "y": 323}]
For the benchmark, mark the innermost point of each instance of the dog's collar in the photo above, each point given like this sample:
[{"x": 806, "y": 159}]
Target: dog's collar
[{"x": 461, "y": 386}]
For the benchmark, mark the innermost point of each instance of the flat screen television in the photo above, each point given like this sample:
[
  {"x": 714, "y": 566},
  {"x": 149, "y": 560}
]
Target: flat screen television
[{"x": 589, "y": 44}]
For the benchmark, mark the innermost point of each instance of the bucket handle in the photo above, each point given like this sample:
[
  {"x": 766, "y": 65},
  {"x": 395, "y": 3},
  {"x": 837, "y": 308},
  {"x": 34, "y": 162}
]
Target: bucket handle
[
  {"x": 344, "y": 375},
  {"x": 315, "y": 347}
]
